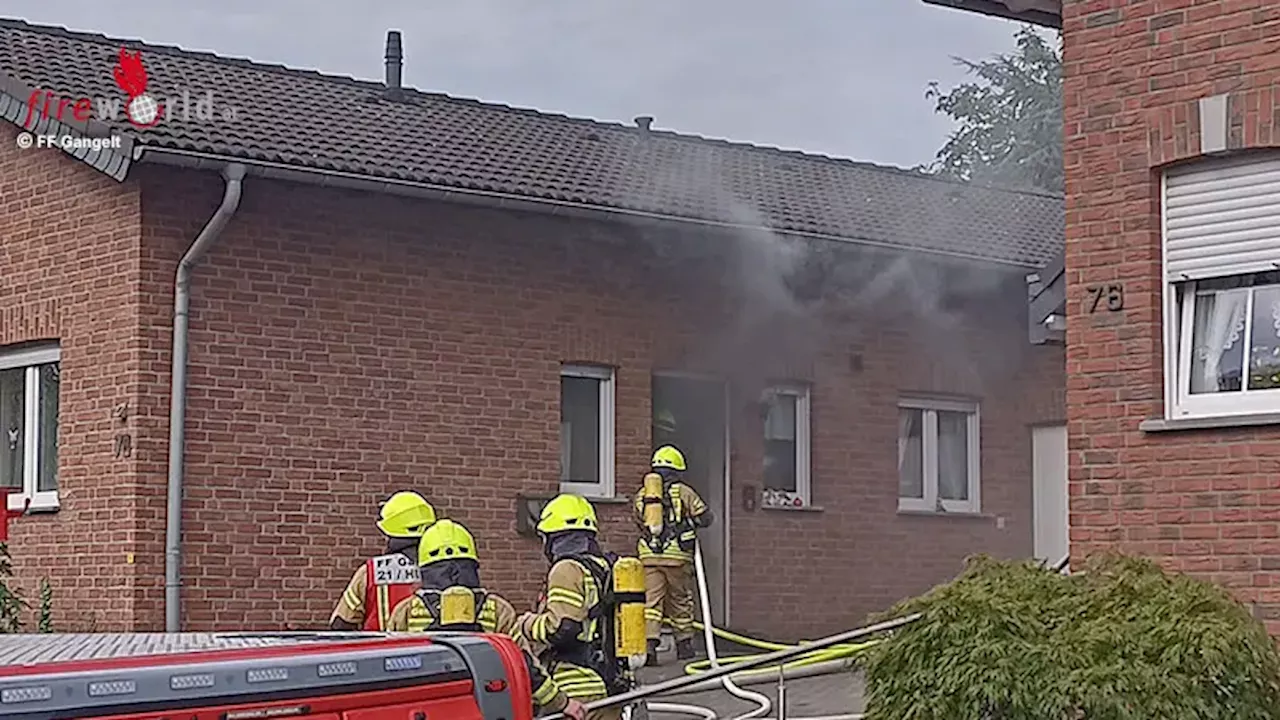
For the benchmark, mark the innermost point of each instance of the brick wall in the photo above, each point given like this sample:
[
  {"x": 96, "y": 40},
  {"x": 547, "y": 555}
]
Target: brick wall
[
  {"x": 70, "y": 271},
  {"x": 345, "y": 346},
  {"x": 1199, "y": 501}
]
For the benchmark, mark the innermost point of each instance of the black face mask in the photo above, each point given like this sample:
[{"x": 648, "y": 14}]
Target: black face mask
[
  {"x": 570, "y": 542},
  {"x": 408, "y": 546},
  {"x": 448, "y": 573}
]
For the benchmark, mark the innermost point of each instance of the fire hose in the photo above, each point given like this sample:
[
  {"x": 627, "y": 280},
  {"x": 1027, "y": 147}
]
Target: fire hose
[
  {"x": 835, "y": 654},
  {"x": 773, "y": 658}
]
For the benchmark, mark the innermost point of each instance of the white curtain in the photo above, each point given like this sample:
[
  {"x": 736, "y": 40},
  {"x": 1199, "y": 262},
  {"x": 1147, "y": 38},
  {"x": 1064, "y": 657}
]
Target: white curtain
[
  {"x": 1221, "y": 331},
  {"x": 953, "y": 456}
]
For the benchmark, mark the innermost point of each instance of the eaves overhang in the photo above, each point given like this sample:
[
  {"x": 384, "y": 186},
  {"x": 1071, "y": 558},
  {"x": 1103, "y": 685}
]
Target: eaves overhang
[
  {"x": 1047, "y": 304},
  {"x": 1046, "y": 13}
]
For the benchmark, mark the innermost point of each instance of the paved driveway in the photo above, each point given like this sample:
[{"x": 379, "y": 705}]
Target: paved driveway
[{"x": 836, "y": 694}]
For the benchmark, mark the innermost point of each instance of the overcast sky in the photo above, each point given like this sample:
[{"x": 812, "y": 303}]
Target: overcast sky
[{"x": 842, "y": 77}]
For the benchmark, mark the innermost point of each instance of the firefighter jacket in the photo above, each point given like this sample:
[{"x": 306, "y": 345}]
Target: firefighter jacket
[
  {"x": 565, "y": 631},
  {"x": 683, "y": 512},
  {"x": 366, "y": 602},
  {"x": 496, "y": 615}
]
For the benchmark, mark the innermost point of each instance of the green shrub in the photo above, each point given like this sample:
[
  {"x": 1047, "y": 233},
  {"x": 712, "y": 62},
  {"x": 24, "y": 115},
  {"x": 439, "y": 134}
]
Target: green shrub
[
  {"x": 44, "y": 617},
  {"x": 1122, "y": 640},
  {"x": 12, "y": 604}
]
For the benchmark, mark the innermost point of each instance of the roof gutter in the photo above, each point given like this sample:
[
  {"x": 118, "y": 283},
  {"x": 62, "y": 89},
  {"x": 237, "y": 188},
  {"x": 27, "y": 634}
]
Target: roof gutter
[
  {"x": 487, "y": 198},
  {"x": 234, "y": 174}
]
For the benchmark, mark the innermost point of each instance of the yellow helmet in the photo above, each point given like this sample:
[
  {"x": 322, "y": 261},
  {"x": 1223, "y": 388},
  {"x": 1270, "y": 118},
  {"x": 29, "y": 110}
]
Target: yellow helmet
[
  {"x": 663, "y": 420},
  {"x": 567, "y": 512},
  {"x": 406, "y": 515},
  {"x": 446, "y": 540},
  {"x": 668, "y": 456}
]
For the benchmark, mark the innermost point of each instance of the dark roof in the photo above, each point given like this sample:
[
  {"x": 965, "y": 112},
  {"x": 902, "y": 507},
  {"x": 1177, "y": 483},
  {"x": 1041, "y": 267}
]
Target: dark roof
[
  {"x": 1047, "y": 13},
  {"x": 306, "y": 119}
]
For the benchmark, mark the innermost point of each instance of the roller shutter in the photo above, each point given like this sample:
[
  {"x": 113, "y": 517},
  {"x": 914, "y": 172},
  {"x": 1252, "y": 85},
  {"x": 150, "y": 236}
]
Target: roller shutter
[{"x": 1222, "y": 218}]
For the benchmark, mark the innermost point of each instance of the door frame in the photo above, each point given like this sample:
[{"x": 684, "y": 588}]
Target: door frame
[{"x": 728, "y": 469}]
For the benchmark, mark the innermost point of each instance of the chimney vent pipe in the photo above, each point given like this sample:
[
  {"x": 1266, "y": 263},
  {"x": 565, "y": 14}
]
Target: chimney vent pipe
[{"x": 394, "y": 60}]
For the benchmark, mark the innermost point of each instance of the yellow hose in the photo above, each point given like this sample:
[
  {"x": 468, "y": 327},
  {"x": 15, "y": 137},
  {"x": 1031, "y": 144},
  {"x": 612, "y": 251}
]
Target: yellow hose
[{"x": 835, "y": 652}]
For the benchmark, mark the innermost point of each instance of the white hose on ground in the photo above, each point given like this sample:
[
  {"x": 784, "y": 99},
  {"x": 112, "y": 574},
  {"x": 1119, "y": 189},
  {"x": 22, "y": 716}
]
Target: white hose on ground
[
  {"x": 708, "y": 631},
  {"x": 770, "y": 675},
  {"x": 747, "y": 677},
  {"x": 678, "y": 709}
]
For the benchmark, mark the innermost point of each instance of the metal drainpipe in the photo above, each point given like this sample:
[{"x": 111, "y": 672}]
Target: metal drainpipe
[{"x": 234, "y": 175}]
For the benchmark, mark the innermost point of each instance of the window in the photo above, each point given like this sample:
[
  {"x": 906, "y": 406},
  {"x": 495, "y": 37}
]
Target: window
[
  {"x": 29, "y": 427},
  {"x": 1221, "y": 239},
  {"x": 938, "y": 465},
  {"x": 786, "y": 447},
  {"x": 586, "y": 430}
]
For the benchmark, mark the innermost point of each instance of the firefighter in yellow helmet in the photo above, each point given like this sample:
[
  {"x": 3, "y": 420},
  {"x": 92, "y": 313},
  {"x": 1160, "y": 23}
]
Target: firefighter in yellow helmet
[
  {"x": 450, "y": 571},
  {"x": 566, "y": 629},
  {"x": 669, "y": 514},
  {"x": 382, "y": 582}
]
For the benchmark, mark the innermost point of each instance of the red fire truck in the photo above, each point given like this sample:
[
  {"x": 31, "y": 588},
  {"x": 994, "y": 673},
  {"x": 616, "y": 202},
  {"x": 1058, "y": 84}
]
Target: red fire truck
[{"x": 321, "y": 676}]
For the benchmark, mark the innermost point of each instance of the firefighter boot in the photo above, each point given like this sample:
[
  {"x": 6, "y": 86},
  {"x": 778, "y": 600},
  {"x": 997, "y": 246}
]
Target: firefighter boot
[
  {"x": 651, "y": 657},
  {"x": 684, "y": 649}
]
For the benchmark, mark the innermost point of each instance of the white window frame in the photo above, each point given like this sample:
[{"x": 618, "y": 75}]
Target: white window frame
[
  {"x": 804, "y": 447},
  {"x": 929, "y": 460},
  {"x": 1184, "y": 404},
  {"x": 608, "y": 379},
  {"x": 1178, "y": 315},
  {"x": 31, "y": 359}
]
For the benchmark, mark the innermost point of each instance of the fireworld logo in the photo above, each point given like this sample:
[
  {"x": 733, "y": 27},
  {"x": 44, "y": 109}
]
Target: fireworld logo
[{"x": 141, "y": 109}]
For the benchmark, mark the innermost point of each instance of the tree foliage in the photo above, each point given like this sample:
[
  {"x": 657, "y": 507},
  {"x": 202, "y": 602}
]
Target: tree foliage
[
  {"x": 1122, "y": 640},
  {"x": 1009, "y": 120}
]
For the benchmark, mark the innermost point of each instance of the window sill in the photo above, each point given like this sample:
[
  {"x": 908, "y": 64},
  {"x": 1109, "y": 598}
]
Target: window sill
[
  {"x": 793, "y": 508},
  {"x": 609, "y": 500},
  {"x": 1155, "y": 425},
  {"x": 38, "y": 505},
  {"x": 957, "y": 514}
]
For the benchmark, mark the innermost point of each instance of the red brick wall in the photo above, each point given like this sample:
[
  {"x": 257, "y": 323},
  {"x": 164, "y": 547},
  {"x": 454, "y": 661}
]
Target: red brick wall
[
  {"x": 70, "y": 271},
  {"x": 1199, "y": 501},
  {"x": 345, "y": 346}
]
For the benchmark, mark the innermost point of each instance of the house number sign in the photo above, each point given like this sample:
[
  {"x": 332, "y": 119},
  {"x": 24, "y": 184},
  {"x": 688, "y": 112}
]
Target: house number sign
[{"x": 1104, "y": 297}]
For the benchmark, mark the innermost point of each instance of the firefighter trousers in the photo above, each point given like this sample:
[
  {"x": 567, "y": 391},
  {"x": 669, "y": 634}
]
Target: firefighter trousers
[
  {"x": 668, "y": 592},
  {"x": 584, "y": 685}
]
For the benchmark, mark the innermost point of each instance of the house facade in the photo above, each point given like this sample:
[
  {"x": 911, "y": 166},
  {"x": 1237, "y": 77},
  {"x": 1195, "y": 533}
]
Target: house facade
[
  {"x": 500, "y": 306},
  {"x": 1169, "y": 285}
]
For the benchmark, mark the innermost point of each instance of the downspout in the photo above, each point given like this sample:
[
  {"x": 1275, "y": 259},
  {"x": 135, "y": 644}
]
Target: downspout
[{"x": 234, "y": 175}]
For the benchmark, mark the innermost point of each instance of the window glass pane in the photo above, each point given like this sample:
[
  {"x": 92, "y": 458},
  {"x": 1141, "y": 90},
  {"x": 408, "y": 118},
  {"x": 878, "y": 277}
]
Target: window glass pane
[
  {"x": 13, "y": 400},
  {"x": 953, "y": 455},
  {"x": 1264, "y": 344},
  {"x": 1217, "y": 354},
  {"x": 780, "y": 443},
  {"x": 580, "y": 429},
  {"x": 911, "y": 453},
  {"x": 49, "y": 384},
  {"x": 780, "y": 422}
]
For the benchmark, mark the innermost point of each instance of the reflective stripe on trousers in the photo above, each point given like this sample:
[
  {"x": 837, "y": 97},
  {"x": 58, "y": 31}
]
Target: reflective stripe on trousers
[{"x": 579, "y": 682}]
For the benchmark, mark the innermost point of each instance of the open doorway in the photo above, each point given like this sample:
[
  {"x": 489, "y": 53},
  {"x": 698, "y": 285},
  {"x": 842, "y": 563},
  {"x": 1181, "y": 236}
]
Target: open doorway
[{"x": 691, "y": 413}]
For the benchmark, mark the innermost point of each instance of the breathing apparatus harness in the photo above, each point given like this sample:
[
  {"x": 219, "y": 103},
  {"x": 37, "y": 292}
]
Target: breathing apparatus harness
[
  {"x": 456, "y": 608},
  {"x": 675, "y": 523},
  {"x": 618, "y": 616}
]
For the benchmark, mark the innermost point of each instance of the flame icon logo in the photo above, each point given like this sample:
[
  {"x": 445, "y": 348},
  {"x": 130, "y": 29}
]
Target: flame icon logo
[{"x": 142, "y": 109}]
